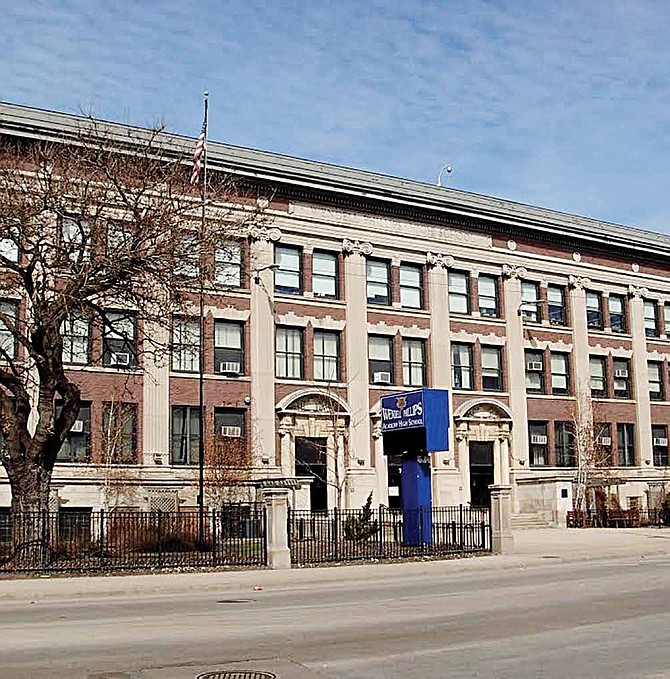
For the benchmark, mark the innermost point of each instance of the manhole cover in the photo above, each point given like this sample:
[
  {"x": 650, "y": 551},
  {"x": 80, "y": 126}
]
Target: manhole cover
[{"x": 237, "y": 675}]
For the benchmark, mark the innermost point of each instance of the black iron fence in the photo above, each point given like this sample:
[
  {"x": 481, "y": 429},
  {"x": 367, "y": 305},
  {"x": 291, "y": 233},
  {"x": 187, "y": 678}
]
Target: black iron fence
[
  {"x": 383, "y": 533},
  {"x": 87, "y": 540},
  {"x": 618, "y": 518}
]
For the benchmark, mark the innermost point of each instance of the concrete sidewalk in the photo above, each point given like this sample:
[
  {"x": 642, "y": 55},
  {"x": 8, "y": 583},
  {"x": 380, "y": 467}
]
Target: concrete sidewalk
[{"x": 533, "y": 548}]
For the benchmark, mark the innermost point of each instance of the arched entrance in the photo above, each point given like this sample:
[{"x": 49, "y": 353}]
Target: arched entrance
[
  {"x": 313, "y": 431},
  {"x": 482, "y": 435}
]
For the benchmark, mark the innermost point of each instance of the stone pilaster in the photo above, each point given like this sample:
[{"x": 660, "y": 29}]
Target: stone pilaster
[
  {"x": 156, "y": 399},
  {"x": 580, "y": 354}
]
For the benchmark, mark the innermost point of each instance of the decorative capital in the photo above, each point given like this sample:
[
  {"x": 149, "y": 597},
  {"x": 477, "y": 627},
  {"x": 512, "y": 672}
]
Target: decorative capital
[
  {"x": 376, "y": 432},
  {"x": 509, "y": 271},
  {"x": 439, "y": 260},
  {"x": 355, "y": 247},
  {"x": 263, "y": 233},
  {"x": 637, "y": 292},
  {"x": 578, "y": 282}
]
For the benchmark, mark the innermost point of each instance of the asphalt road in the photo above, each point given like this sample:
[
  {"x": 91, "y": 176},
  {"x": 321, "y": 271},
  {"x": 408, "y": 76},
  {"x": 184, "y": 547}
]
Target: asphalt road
[{"x": 548, "y": 619}]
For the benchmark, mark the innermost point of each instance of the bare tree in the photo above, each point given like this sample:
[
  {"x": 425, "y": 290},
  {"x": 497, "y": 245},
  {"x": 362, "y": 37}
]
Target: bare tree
[
  {"x": 226, "y": 468},
  {"x": 89, "y": 224}
]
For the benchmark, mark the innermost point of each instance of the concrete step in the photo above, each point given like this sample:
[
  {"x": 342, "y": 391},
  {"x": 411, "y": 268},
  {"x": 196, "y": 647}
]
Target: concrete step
[{"x": 528, "y": 521}]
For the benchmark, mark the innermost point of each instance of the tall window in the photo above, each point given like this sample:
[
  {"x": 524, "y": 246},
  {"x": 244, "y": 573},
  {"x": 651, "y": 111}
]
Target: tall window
[
  {"x": 666, "y": 318},
  {"x": 378, "y": 285},
  {"x": 229, "y": 424},
  {"x": 617, "y": 309},
  {"x": 187, "y": 256},
  {"x": 603, "y": 443},
  {"x": 229, "y": 348},
  {"x": 594, "y": 310},
  {"x": 655, "y": 374},
  {"x": 535, "y": 372},
  {"x": 185, "y": 345},
  {"x": 185, "y": 434},
  {"x": 8, "y": 343},
  {"x": 324, "y": 275},
  {"x": 228, "y": 265},
  {"x": 380, "y": 356},
  {"x": 531, "y": 309},
  {"x": 564, "y": 437},
  {"x": 461, "y": 366},
  {"x": 626, "y": 444},
  {"x": 326, "y": 356},
  {"x": 8, "y": 246},
  {"x": 77, "y": 445},
  {"x": 459, "y": 292},
  {"x": 76, "y": 233},
  {"x": 411, "y": 295},
  {"x": 598, "y": 375},
  {"x": 556, "y": 305},
  {"x": 119, "y": 433},
  {"x": 492, "y": 369},
  {"x": 118, "y": 338},
  {"x": 650, "y": 319},
  {"x": 288, "y": 275},
  {"x": 622, "y": 379},
  {"x": 288, "y": 358},
  {"x": 560, "y": 374},
  {"x": 659, "y": 440},
  {"x": 489, "y": 304},
  {"x": 538, "y": 444},
  {"x": 75, "y": 333},
  {"x": 413, "y": 363}
]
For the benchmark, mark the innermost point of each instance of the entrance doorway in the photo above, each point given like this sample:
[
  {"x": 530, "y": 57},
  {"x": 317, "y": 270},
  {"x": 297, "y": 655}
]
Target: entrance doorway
[
  {"x": 481, "y": 472},
  {"x": 311, "y": 458}
]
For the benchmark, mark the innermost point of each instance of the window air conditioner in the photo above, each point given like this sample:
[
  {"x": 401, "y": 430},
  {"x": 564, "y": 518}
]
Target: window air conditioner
[
  {"x": 230, "y": 367},
  {"x": 119, "y": 358},
  {"x": 621, "y": 372},
  {"x": 77, "y": 427},
  {"x": 535, "y": 366},
  {"x": 231, "y": 432},
  {"x": 539, "y": 439},
  {"x": 661, "y": 441},
  {"x": 381, "y": 378},
  {"x": 605, "y": 440}
]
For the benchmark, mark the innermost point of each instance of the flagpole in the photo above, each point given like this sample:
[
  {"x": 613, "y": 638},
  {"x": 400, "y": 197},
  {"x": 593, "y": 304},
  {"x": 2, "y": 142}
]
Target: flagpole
[{"x": 201, "y": 376}]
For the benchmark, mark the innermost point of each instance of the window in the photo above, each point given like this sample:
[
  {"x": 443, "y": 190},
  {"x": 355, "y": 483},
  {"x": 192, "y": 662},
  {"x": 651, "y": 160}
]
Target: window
[
  {"x": 413, "y": 363},
  {"x": 326, "y": 356},
  {"x": 659, "y": 440},
  {"x": 489, "y": 304},
  {"x": 666, "y": 319},
  {"x": 598, "y": 375},
  {"x": 411, "y": 295},
  {"x": 324, "y": 275},
  {"x": 655, "y": 375},
  {"x": 459, "y": 298},
  {"x": 119, "y": 238},
  {"x": 594, "y": 310},
  {"x": 185, "y": 345},
  {"x": 650, "y": 319},
  {"x": 556, "y": 305},
  {"x": 228, "y": 265},
  {"x": 228, "y": 348},
  {"x": 119, "y": 433},
  {"x": 75, "y": 332},
  {"x": 288, "y": 277},
  {"x": 617, "y": 309},
  {"x": 560, "y": 374},
  {"x": 492, "y": 369},
  {"x": 564, "y": 439},
  {"x": 603, "y": 444},
  {"x": 187, "y": 256},
  {"x": 380, "y": 356},
  {"x": 9, "y": 248},
  {"x": 379, "y": 290},
  {"x": 622, "y": 379},
  {"x": 461, "y": 366},
  {"x": 626, "y": 444},
  {"x": 8, "y": 343},
  {"x": 118, "y": 337},
  {"x": 538, "y": 444},
  {"x": 77, "y": 445},
  {"x": 289, "y": 353},
  {"x": 535, "y": 372},
  {"x": 76, "y": 234},
  {"x": 531, "y": 309},
  {"x": 185, "y": 434},
  {"x": 229, "y": 424}
]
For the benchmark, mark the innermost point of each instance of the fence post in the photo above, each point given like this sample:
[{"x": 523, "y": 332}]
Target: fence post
[
  {"x": 215, "y": 559},
  {"x": 380, "y": 528},
  {"x": 276, "y": 503},
  {"x": 336, "y": 532},
  {"x": 160, "y": 538},
  {"x": 461, "y": 536},
  {"x": 502, "y": 540},
  {"x": 102, "y": 539}
]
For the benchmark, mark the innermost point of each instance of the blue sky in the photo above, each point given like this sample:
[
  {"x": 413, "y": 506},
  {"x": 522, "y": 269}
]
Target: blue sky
[{"x": 564, "y": 105}]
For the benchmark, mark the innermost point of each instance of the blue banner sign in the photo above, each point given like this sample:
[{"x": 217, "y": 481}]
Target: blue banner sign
[{"x": 403, "y": 411}]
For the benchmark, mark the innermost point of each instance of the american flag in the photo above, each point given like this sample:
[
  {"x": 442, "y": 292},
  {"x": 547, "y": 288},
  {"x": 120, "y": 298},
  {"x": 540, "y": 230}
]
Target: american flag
[{"x": 199, "y": 152}]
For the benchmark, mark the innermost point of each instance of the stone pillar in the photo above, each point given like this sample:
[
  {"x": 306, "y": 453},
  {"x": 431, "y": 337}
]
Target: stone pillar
[
  {"x": 580, "y": 338},
  {"x": 156, "y": 401},
  {"x": 276, "y": 507},
  {"x": 502, "y": 540},
  {"x": 381, "y": 464},
  {"x": 643, "y": 442},
  {"x": 262, "y": 345}
]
